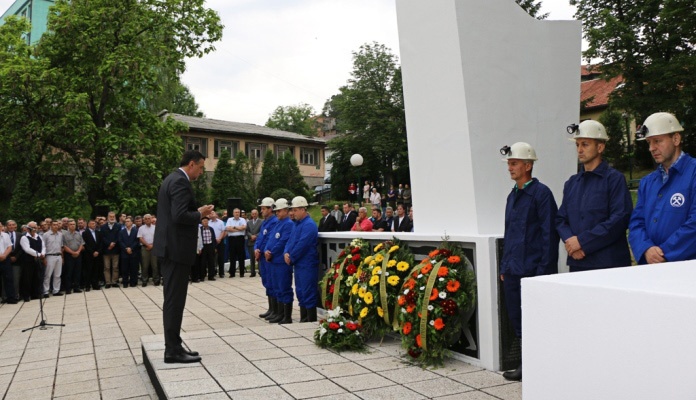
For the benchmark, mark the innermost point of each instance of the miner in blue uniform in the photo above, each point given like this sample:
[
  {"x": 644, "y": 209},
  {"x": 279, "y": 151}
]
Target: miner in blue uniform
[
  {"x": 663, "y": 224},
  {"x": 596, "y": 208},
  {"x": 269, "y": 221},
  {"x": 530, "y": 243},
  {"x": 280, "y": 271},
  {"x": 301, "y": 254}
]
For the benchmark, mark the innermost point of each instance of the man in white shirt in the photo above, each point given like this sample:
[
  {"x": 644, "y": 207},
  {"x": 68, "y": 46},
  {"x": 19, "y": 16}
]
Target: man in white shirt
[
  {"x": 235, "y": 228},
  {"x": 218, "y": 226},
  {"x": 146, "y": 235},
  {"x": 32, "y": 258},
  {"x": 6, "y": 268}
]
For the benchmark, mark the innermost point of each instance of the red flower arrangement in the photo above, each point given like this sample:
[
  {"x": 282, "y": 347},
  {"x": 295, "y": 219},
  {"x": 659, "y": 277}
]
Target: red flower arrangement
[{"x": 334, "y": 290}]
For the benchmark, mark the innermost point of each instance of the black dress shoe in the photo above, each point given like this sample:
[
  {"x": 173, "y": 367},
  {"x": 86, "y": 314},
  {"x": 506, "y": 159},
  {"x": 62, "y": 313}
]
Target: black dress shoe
[
  {"x": 157, "y": 283},
  {"x": 58, "y": 294},
  {"x": 27, "y": 299},
  {"x": 191, "y": 353},
  {"x": 12, "y": 301},
  {"x": 108, "y": 285},
  {"x": 212, "y": 279},
  {"x": 78, "y": 290},
  {"x": 180, "y": 358},
  {"x": 45, "y": 296},
  {"x": 253, "y": 274},
  {"x": 68, "y": 292},
  {"x": 88, "y": 288},
  {"x": 515, "y": 375}
]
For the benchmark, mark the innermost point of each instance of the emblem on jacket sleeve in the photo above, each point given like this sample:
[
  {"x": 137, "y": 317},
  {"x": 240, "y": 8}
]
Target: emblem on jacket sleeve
[
  {"x": 265, "y": 231},
  {"x": 677, "y": 200},
  {"x": 277, "y": 235}
]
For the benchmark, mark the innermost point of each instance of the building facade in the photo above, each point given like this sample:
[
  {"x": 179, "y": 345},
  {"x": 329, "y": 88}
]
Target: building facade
[{"x": 36, "y": 11}]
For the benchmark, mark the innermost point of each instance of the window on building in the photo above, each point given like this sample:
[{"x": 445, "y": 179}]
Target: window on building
[
  {"x": 281, "y": 149},
  {"x": 309, "y": 156},
  {"x": 226, "y": 145},
  {"x": 255, "y": 151},
  {"x": 196, "y": 143}
]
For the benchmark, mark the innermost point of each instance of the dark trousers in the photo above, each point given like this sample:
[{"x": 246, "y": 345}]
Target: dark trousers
[
  {"x": 252, "y": 259},
  {"x": 93, "y": 270},
  {"x": 8, "y": 279},
  {"x": 129, "y": 269},
  {"x": 220, "y": 250},
  {"x": 30, "y": 282},
  {"x": 175, "y": 279},
  {"x": 72, "y": 270},
  {"x": 208, "y": 260},
  {"x": 237, "y": 254},
  {"x": 197, "y": 271},
  {"x": 513, "y": 301}
]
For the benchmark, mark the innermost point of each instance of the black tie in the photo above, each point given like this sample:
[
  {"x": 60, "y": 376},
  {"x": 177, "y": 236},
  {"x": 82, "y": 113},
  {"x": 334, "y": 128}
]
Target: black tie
[{"x": 12, "y": 239}]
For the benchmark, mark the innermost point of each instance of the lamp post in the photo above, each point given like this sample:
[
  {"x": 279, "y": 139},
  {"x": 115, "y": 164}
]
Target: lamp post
[
  {"x": 628, "y": 147},
  {"x": 356, "y": 160}
]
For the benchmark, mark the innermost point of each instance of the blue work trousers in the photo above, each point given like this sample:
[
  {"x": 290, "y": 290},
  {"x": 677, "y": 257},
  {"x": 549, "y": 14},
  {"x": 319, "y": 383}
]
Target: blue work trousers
[
  {"x": 282, "y": 281},
  {"x": 306, "y": 284},
  {"x": 513, "y": 301}
]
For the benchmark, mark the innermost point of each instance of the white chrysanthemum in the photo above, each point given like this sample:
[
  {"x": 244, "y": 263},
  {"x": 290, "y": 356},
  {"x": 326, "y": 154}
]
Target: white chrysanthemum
[
  {"x": 442, "y": 295},
  {"x": 432, "y": 323},
  {"x": 340, "y": 331},
  {"x": 420, "y": 276},
  {"x": 403, "y": 310},
  {"x": 341, "y": 323},
  {"x": 335, "y": 313},
  {"x": 441, "y": 279},
  {"x": 430, "y": 307},
  {"x": 422, "y": 288},
  {"x": 406, "y": 291}
]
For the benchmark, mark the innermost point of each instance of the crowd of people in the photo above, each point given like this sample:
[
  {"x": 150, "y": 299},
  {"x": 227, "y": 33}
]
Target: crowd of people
[
  {"x": 373, "y": 198},
  {"x": 596, "y": 211},
  {"x": 348, "y": 219}
]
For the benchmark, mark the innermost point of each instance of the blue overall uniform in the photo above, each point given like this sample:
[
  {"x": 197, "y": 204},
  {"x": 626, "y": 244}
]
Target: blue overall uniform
[
  {"x": 280, "y": 271},
  {"x": 665, "y": 214},
  {"x": 531, "y": 243},
  {"x": 596, "y": 208},
  {"x": 266, "y": 279},
  {"x": 302, "y": 248}
]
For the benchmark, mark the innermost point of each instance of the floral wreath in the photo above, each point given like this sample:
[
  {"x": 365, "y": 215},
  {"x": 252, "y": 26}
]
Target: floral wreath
[
  {"x": 339, "y": 333},
  {"x": 334, "y": 291},
  {"x": 433, "y": 301},
  {"x": 376, "y": 285}
]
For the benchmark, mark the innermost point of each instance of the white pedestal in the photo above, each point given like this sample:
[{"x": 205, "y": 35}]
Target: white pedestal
[{"x": 625, "y": 333}]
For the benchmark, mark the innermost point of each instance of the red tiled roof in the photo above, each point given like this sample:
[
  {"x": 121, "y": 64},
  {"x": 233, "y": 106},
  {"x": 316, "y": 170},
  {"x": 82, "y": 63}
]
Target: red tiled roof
[{"x": 594, "y": 93}]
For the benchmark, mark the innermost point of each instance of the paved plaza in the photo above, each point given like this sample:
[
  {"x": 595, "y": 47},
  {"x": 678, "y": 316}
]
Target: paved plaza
[{"x": 98, "y": 354}]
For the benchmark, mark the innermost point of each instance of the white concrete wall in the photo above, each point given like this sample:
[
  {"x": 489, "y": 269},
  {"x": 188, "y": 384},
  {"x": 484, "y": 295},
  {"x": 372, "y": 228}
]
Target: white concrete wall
[
  {"x": 478, "y": 75},
  {"x": 625, "y": 333}
]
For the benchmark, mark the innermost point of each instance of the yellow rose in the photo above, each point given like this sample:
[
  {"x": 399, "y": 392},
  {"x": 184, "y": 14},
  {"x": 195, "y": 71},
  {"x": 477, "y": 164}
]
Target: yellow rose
[
  {"x": 354, "y": 290},
  {"x": 379, "y": 258},
  {"x": 373, "y": 263},
  {"x": 376, "y": 271},
  {"x": 367, "y": 260},
  {"x": 402, "y": 266},
  {"x": 380, "y": 311},
  {"x": 391, "y": 263},
  {"x": 378, "y": 247},
  {"x": 368, "y": 298},
  {"x": 393, "y": 280},
  {"x": 374, "y": 280},
  {"x": 393, "y": 249},
  {"x": 361, "y": 292},
  {"x": 363, "y": 312}
]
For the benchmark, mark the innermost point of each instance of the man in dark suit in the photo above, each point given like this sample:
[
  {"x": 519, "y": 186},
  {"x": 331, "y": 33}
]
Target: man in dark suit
[
  {"x": 349, "y": 217},
  {"x": 327, "y": 223},
  {"x": 401, "y": 222},
  {"x": 175, "y": 243},
  {"x": 92, "y": 256},
  {"x": 253, "y": 227}
]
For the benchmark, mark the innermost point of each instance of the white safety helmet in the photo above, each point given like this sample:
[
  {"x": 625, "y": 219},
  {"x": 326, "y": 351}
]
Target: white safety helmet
[
  {"x": 299, "y": 201},
  {"x": 267, "y": 202},
  {"x": 588, "y": 129},
  {"x": 660, "y": 123},
  {"x": 519, "y": 151},
  {"x": 281, "y": 204}
]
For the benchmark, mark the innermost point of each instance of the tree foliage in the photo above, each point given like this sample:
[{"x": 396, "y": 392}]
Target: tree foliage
[
  {"x": 371, "y": 119},
  {"x": 243, "y": 182},
  {"x": 532, "y": 7},
  {"x": 297, "y": 118},
  {"x": 281, "y": 173},
  {"x": 650, "y": 43},
  {"x": 222, "y": 185},
  {"x": 270, "y": 178},
  {"x": 76, "y": 105}
]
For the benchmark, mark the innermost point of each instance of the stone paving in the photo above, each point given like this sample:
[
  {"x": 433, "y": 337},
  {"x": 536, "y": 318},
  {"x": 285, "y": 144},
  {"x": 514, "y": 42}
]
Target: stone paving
[{"x": 98, "y": 354}]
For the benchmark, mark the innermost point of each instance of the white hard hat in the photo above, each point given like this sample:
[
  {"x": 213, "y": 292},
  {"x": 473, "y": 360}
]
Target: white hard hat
[
  {"x": 281, "y": 204},
  {"x": 267, "y": 202},
  {"x": 519, "y": 151},
  {"x": 299, "y": 201},
  {"x": 660, "y": 123},
  {"x": 588, "y": 129}
]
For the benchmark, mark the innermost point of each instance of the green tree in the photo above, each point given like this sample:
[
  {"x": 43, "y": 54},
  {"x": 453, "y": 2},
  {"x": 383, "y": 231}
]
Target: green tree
[
  {"x": 201, "y": 189},
  {"x": 296, "y": 119},
  {"x": 370, "y": 119},
  {"x": 289, "y": 175},
  {"x": 75, "y": 106},
  {"x": 615, "y": 150},
  {"x": 270, "y": 178},
  {"x": 532, "y": 7},
  {"x": 652, "y": 44},
  {"x": 223, "y": 181},
  {"x": 243, "y": 183}
]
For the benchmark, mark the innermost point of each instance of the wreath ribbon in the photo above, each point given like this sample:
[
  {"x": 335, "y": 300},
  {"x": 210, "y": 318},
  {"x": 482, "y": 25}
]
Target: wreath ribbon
[
  {"x": 383, "y": 288},
  {"x": 426, "y": 301},
  {"x": 325, "y": 283},
  {"x": 337, "y": 285}
]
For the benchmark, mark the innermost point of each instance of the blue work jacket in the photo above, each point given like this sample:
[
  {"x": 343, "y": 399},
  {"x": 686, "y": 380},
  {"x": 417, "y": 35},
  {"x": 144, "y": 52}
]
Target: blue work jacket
[
  {"x": 597, "y": 208},
  {"x": 665, "y": 214},
  {"x": 277, "y": 238},
  {"x": 302, "y": 245},
  {"x": 531, "y": 242},
  {"x": 266, "y": 226}
]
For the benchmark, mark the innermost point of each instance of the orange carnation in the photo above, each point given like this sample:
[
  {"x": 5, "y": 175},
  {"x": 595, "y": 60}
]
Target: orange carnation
[
  {"x": 452, "y": 286},
  {"x": 426, "y": 269},
  {"x": 439, "y": 324},
  {"x": 433, "y": 295},
  {"x": 410, "y": 284},
  {"x": 402, "y": 300},
  {"x": 418, "y": 340},
  {"x": 407, "y": 328},
  {"x": 433, "y": 253},
  {"x": 443, "y": 271},
  {"x": 410, "y": 308},
  {"x": 454, "y": 259}
]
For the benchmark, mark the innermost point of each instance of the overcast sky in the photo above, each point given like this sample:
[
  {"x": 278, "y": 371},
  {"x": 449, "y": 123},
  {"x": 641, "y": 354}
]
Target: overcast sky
[{"x": 279, "y": 52}]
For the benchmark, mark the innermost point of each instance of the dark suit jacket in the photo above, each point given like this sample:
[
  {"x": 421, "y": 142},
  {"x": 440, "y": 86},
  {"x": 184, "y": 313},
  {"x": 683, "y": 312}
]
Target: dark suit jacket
[
  {"x": 252, "y": 228},
  {"x": 92, "y": 245},
  {"x": 110, "y": 236},
  {"x": 176, "y": 235},
  {"x": 405, "y": 226},
  {"x": 125, "y": 240},
  {"x": 328, "y": 224},
  {"x": 347, "y": 223}
]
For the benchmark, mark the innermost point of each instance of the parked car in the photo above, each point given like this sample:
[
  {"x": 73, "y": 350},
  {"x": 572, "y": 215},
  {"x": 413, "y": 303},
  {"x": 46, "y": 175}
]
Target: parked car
[{"x": 322, "y": 193}]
